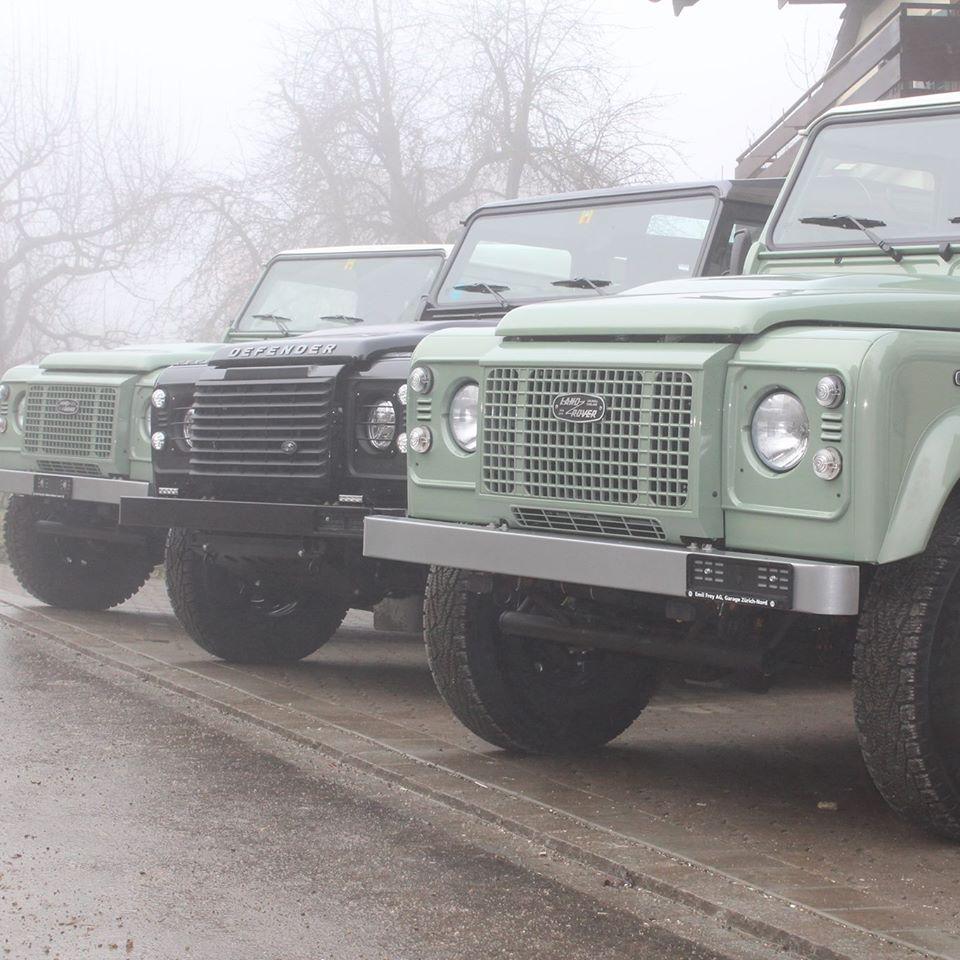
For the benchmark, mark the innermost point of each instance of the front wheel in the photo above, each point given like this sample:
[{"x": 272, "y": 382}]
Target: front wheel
[
  {"x": 523, "y": 694},
  {"x": 72, "y": 572},
  {"x": 242, "y": 620},
  {"x": 907, "y": 681}
]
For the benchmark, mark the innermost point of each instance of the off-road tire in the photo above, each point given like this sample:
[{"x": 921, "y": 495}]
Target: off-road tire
[
  {"x": 68, "y": 572},
  {"x": 202, "y": 596},
  {"x": 907, "y": 681},
  {"x": 476, "y": 672}
]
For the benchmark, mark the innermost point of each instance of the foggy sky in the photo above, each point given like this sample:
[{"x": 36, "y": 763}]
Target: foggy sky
[{"x": 727, "y": 68}]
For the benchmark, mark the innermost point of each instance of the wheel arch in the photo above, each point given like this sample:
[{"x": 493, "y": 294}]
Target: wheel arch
[{"x": 931, "y": 478}]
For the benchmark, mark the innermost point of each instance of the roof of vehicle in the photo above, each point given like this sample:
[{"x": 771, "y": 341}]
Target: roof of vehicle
[
  {"x": 932, "y": 100},
  {"x": 764, "y": 189},
  {"x": 365, "y": 249}
]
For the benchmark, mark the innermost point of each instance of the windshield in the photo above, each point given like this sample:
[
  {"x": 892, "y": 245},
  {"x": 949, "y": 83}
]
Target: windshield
[
  {"x": 577, "y": 251},
  {"x": 897, "y": 177},
  {"x": 297, "y": 296}
]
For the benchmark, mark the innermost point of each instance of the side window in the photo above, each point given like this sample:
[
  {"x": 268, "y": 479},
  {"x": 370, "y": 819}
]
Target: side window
[{"x": 733, "y": 218}]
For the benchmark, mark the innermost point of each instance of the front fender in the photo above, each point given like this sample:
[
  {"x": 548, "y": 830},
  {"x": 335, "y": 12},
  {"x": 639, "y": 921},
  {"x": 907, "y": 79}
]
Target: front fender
[{"x": 932, "y": 473}]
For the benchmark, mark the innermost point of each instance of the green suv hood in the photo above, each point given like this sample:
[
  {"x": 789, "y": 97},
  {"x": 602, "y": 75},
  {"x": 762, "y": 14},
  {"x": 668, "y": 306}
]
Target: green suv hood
[
  {"x": 744, "y": 306},
  {"x": 136, "y": 358}
]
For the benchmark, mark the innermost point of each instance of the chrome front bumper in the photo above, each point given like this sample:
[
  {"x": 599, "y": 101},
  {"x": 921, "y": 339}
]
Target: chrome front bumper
[
  {"x": 831, "y": 589},
  {"x": 90, "y": 489}
]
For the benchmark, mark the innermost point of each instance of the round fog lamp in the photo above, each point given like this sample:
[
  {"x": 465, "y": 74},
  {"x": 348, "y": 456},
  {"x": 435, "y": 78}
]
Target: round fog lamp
[
  {"x": 402, "y": 394},
  {"x": 402, "y": 443},
  {"x": 420, "y": 439},
  {"x": 421, "y": 380},
  {"x": 830, "y": 391},
  {"x": 780, "y": 431},
  {"x": 158, "y": 441},
  {"x": 158, "y": 399},
  {"x": 3, "y": 424},
  {"x": 4, "y": 392},
  {"x": 827, "y": 463},
  {"x": 463, "y": 416},
  {"x": 189, "y": 422}
]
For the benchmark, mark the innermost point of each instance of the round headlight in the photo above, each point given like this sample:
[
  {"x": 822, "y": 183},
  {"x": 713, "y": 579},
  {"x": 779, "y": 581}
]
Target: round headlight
[
  {"x": 189, "y": 421},
  {"x": 4, "y": 392},
  {"x": 780, "y": 431},
  {"x": 158, "y": 441},
  {"x": 420, "y": 439},
  {"x": 421, "y": 380},
  {"x": 158, "y": 399},
  {"x": 464, "y": 416},
  {"x": 381, "y": 425}
]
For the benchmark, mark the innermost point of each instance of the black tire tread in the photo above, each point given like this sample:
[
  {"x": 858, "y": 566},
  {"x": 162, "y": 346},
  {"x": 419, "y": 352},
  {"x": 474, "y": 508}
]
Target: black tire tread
[
  {"x": 229, "y": 634},
  {"x": 112, "y": 582},
  {"x": 449, "y": 612},
  {"x": 891, "y": 675}
]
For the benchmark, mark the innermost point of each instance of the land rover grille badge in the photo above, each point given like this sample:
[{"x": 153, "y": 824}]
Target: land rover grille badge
[{"x": 579, "y": 407}]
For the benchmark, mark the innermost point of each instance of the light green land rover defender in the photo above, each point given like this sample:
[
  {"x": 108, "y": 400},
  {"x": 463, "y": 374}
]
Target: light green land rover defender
[
  {"x": 74, "y": 430},
  {"x": 715, "y": 471}
]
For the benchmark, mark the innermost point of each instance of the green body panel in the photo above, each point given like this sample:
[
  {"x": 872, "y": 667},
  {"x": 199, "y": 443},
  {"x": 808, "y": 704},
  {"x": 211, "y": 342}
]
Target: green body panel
[
  {"x": 890, "y": 329},
  {"x": 894, "y": 338},
  {"x": 130, "y": 371}
]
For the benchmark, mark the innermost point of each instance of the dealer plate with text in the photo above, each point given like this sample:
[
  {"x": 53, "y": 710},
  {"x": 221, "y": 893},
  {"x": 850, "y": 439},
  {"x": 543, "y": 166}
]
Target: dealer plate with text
[
  {"x": 733, "y": 580},
  {"x": 45, "y": 485}
]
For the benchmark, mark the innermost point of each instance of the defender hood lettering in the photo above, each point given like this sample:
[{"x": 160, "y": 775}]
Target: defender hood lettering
[{"x": 353, "y": 343}]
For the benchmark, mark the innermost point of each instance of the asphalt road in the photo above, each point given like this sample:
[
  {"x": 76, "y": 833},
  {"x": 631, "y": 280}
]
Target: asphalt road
[{"x": 134, "y": 823}]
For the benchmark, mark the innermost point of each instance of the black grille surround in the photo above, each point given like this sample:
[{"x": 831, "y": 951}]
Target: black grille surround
[{"x": 264, "y": 429}]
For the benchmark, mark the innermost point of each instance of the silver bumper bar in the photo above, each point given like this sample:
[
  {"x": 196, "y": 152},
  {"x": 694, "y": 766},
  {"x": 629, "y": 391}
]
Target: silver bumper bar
[
  {"x": 91, "y": 489},
  {"x": 824, "y": 588}
]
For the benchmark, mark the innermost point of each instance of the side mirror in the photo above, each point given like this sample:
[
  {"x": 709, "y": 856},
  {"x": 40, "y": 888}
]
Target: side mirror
[{"x": 743, "y": 240}]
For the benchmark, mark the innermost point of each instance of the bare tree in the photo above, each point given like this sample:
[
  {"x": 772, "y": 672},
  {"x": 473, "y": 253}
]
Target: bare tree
[
  {"x": 398, "y": 118},
  {"x": 81, "y": 197},
  {"x": 393, "y": 119}
]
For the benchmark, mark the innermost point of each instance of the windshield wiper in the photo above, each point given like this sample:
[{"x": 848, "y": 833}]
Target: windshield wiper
[
  {"x": 480, "y": 287},
  {"x": 277, "y": 318},
  {"x": 341, "y": 318},
  {"x": 845, "y": 222},
  {"x": 583, "y": 283}
]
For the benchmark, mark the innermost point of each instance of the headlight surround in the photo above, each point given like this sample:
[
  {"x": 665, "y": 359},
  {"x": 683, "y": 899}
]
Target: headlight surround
[
  {"x": 381, "y": 425},
  {"x": 189, "y": 419},
  {"x": 464, "y": 416},
  {"x": 780, "y": 430}
]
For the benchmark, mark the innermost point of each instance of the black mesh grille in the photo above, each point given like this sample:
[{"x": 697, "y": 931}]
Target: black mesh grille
[{"x": 263, "y": 428}]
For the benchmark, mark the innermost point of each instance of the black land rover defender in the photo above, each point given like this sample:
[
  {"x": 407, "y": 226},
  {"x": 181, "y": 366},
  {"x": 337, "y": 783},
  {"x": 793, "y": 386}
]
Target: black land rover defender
[{"x": 268, "y": 457}]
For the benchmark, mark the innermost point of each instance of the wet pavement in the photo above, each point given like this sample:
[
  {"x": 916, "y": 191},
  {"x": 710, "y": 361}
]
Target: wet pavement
[
  {"x": 135, "y": 827},
  {"x": 752, "y": 809}
]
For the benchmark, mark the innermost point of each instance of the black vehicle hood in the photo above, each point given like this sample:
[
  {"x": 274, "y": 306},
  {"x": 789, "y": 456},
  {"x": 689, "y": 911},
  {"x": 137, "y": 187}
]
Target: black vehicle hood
[{"x": 349, "y": 344}]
